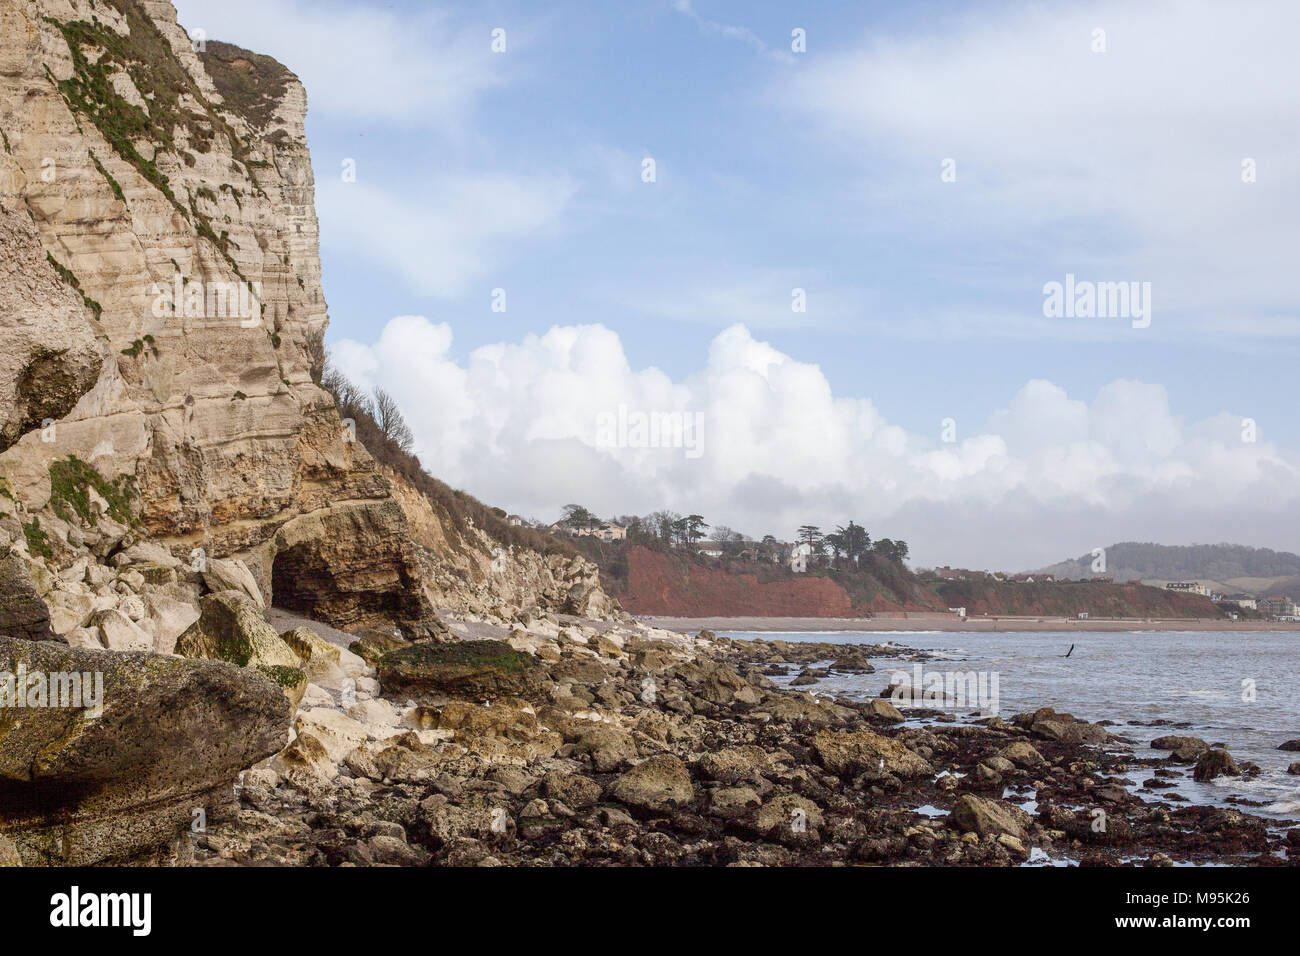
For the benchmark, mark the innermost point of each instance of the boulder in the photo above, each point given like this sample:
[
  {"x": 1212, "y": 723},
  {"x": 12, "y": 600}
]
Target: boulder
[
  {"x": 657, "y": 785},
  {"x": 22, "y": 611},
  {"x": 849, "y": 753},
  {"x": 231, "y": 574},
  {"x": 607, "y": 746},
  {"x": 146, "y": 552},
  {"x": 337, "y": 732},
  {"x": 731, "y": 764},
  {"x": 325, "y": 664},
  {"x": 730, "y": 803},
  {"x": 69, "y": 610},
  {"x": 167, "y": 619},
  {"x": 1214, "y": 763},
  {"x": 173, "y": 735},
  {"x": 787, "y": 814},
  {"x": 1021, "y": 754},
  {"x": 879, "y": 707},
  {"x": 572, "y": 789},
  {"x": 466, "y": 669},
  {"x": 117, "y": 632},
  {"x": 1192, "y": 745},
  {"x": 1290, "y": 745},
  {"x": 972, "y": 814},
  {"x": 305, "y": 763},
  {"x": 231, "y": 628},
  {"x": 1064, "y": 728}
]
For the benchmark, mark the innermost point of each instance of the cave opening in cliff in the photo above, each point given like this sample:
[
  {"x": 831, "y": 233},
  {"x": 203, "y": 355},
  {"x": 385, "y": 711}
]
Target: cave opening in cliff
[{"x": 301, "y": 581}]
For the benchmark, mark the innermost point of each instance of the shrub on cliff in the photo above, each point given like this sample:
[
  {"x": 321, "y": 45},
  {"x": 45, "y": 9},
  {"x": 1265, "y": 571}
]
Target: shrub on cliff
[{"x": 459, "y": 507}]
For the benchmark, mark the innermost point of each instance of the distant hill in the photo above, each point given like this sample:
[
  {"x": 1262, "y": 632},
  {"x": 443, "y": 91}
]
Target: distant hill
[{"x": 1232, "y": 566}]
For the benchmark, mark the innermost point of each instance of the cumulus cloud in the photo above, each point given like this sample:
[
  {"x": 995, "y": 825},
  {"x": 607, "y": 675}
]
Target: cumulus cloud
[{"x": 524, "y": 426}]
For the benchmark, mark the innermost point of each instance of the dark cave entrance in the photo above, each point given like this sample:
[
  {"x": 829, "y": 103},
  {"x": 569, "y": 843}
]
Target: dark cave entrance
[{"x": 301, "y": 582}]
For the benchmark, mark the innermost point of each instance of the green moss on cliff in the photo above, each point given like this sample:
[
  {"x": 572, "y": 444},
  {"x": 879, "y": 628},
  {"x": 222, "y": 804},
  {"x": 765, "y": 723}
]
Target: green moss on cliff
[
  {"x": 144, "y": 54},
  {"x": 70, "y": 482},
  {"x": 37, "y": 543},
  {"x": 250, "y": 84},
  {"x": 117, "y": 189},
  {"x": 69, "y": 278}
]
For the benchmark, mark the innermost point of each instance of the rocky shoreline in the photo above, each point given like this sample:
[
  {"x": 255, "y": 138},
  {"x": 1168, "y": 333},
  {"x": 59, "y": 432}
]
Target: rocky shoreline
[{"x": 596, "y": 743}]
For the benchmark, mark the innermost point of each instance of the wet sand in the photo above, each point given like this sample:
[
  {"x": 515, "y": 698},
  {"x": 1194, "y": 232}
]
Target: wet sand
[{"x": 950, "y": 622}]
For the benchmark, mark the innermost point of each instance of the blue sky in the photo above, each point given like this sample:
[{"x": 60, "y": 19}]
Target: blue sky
[{"x": 821, "y": 170}]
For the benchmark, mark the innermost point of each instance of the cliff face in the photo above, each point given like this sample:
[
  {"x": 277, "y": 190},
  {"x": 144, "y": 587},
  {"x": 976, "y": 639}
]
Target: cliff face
[
  {"x": 672, "y": 585},
  {"x": 471, "y": 573},
  {"x": 174, "y": 328},
  {"x": 164, "y": 324},
  {"x": 668, "y": 584}
]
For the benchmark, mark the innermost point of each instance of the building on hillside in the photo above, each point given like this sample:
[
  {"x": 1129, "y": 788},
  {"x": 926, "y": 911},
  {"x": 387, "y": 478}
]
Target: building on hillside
[
  {"x": 1243, "y": 601},
  {"x": 515, "y": 520},
  {"x": 799, "y": 556},
  {"x": 1277, "y": 606},
  {"x": 605, "y": 531},
  {"x": 1189, "y": 587},
  {"x": 711, "y": 551}
]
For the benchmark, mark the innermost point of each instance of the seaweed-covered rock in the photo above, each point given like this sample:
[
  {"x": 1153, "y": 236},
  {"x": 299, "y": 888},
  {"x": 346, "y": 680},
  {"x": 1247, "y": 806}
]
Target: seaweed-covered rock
[
  {"x": 981, "y": 815},
  {"x": 848, "y": 753},
  {"x": 78, "y": 789},
  {"x": 468, "y": 669},
  {"x": 231, "y": 628},
  {"x": 656, "y": 785},
  {"x": 1215, "y": 763}
]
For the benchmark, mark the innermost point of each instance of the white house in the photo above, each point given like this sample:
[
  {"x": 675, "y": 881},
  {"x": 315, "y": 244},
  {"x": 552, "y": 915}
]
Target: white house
[{"x": 799, "y": 555}]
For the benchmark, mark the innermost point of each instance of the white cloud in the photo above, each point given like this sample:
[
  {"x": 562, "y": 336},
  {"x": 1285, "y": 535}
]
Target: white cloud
[
  {"x": 1047, "y": 477},
  {"x": 1124, "y": 164}
]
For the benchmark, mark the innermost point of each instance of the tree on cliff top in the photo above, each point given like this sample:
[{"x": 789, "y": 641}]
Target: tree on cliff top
[
  {"x": 390, "y": 421},
  {"x": 576, "y": 516},
  {"x": 695, "y": 527}
]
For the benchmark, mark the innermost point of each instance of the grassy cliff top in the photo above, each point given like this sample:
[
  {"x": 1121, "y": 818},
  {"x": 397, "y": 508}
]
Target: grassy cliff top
[{"x": 251, "y": 84}]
